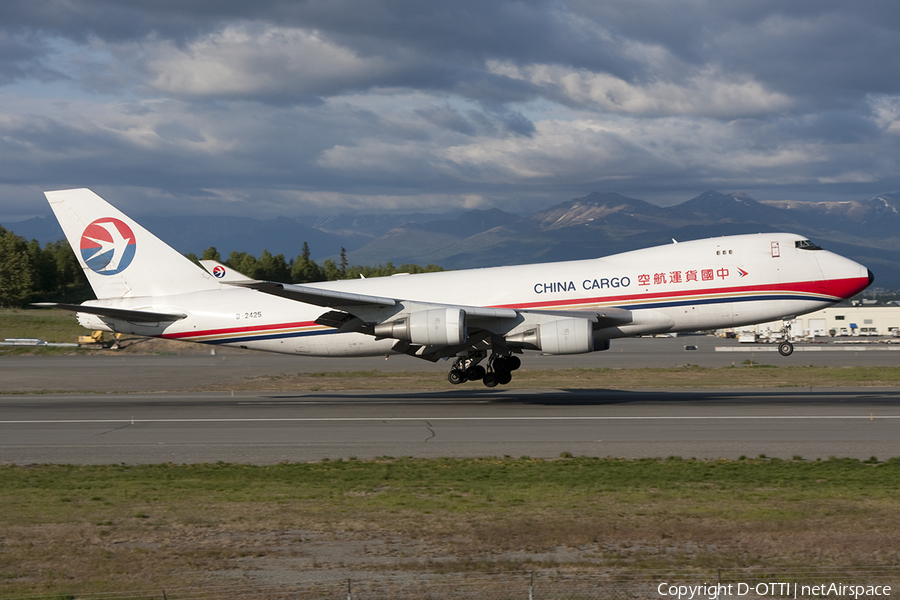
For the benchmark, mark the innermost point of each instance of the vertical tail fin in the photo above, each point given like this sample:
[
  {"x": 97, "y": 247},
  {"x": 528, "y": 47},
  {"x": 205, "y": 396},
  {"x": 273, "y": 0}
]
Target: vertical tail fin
[{"x": 121, "y": 258}]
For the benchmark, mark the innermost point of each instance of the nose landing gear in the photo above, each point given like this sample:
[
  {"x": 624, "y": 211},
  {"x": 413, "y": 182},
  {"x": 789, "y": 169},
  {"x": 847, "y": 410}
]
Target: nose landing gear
[{"x": 785, "y": 347}]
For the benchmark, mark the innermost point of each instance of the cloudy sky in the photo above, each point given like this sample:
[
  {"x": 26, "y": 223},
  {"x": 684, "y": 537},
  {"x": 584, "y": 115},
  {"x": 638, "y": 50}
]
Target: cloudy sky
[{"x": 283, "y": 107}]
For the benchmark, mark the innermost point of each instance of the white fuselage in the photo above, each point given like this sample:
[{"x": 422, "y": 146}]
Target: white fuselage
[{"x": 704, "y": 284}]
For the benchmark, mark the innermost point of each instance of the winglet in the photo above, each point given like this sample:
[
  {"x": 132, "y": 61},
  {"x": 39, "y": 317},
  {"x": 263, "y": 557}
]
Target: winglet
[
  {"x": 224, "y": 273},
  {"x": 134, "y": 316}
]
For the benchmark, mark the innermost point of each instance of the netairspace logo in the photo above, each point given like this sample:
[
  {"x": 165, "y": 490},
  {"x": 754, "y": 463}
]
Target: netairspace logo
[{"x": 776, "y": 590}]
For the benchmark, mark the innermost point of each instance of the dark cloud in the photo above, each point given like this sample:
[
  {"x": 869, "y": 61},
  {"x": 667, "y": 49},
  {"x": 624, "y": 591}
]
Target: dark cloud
[
  {"x": 21, "y": 56},
  {"x": 308, "y": 106}
]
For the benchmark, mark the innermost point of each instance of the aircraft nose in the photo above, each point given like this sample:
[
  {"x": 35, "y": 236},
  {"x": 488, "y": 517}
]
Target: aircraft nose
[{"x": 871, "y": 276}]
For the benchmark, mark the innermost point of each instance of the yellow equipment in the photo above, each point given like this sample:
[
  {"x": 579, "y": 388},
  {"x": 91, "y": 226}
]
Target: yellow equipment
[{"x": 96, "y": 338}]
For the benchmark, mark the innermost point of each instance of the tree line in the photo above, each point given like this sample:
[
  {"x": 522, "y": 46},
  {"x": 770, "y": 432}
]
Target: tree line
[
  {"x": 31, "y": 273},
  {"x": 303, "y": 269}
]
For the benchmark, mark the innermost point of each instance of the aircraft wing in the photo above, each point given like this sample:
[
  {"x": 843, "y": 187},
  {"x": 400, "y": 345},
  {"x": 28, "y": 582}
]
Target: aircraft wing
[
  {"x": 348, "y": 301},
  {"x": 369, "y": 314},
  {"x": 132, "y": 316},
  {"x": 316, "y": 296},
  {"x": 345, "y": 301}
]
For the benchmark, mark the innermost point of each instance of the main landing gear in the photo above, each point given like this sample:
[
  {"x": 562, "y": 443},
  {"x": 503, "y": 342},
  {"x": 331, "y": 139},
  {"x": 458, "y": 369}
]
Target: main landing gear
[{"x": 499, "y": 369}]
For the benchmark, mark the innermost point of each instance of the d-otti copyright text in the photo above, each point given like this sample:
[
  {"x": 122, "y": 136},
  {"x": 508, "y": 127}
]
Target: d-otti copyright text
[{"x": 776, "y": 589}]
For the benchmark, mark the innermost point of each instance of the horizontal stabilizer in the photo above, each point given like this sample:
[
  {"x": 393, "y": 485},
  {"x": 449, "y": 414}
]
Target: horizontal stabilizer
[{"x": 132, "y": 316}]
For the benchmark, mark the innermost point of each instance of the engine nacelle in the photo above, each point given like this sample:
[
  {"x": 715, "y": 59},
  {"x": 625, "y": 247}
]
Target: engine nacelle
[
  {"x": 434, "y": 327},
  {"x": 564, "y": 336}
]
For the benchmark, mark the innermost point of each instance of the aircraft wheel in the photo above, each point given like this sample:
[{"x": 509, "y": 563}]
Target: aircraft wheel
[
  {"x": 501, "y": 363},
  {"x": 504, "y": 377},
  {"x": 514, "y": 362},
  {"x": 785, "y": 348},
  {"x": 490, "y": 380},
  {"x": 475, "y": 372},
  {"x": 455, "y": 376}
]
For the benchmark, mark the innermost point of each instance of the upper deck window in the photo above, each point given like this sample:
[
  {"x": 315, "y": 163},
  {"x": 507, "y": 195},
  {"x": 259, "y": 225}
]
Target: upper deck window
[{"x": 806, "y": 245}]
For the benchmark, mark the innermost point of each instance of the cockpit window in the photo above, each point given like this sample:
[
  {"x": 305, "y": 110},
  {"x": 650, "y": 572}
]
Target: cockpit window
[{"x": 806, "y": 245}]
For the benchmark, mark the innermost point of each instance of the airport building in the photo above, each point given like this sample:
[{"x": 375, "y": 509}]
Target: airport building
[{"x": 881, "y": 320}]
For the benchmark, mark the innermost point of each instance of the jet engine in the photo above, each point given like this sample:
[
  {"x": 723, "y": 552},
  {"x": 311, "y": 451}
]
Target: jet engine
[
  {"x": 563, "y": 336},
  {"x": 434, "y": 327}
]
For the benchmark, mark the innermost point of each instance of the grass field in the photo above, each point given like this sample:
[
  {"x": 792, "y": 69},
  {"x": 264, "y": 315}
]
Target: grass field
[
  {"x": 104, "y": 528},
  {"x": 48, "y": 324}
]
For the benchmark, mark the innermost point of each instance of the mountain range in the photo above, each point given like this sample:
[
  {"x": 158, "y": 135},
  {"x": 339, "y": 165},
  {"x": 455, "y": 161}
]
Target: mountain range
[{"x": 596, "y": 225}]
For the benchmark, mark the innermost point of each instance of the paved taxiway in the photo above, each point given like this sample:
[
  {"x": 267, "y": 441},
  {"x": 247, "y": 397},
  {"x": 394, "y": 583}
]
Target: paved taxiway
[
  {"x": 155, "y": 373},
  {"x": 143, "y": 414}
]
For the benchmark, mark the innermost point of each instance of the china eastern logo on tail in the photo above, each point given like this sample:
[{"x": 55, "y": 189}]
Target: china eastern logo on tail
[{"x": 107, "y": 246}]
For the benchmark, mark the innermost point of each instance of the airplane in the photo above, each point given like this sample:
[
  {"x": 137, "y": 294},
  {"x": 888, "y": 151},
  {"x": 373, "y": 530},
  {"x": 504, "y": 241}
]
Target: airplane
[{"x": 482, "y": 319}]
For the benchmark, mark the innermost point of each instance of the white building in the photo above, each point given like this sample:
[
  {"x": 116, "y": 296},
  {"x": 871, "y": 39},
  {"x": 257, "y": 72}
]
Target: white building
[{"x": 867, "y": 320}]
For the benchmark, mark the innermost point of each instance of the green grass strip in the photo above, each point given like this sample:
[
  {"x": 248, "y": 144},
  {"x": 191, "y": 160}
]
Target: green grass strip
[{"x": 119, "y": 527}]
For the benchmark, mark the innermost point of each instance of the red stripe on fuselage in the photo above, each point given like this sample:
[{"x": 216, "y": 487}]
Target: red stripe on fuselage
[
  {"x": 233, "y": 330},
  {"x": 839, "y": 288}
]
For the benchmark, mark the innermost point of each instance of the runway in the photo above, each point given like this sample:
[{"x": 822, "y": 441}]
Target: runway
[
  {"x": 144, "y": 409},
  {"x": 268, "y": 428}
]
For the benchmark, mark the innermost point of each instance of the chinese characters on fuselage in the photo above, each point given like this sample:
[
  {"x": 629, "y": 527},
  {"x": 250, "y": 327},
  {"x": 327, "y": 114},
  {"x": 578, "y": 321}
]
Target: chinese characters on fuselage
[
  {"x": 682, "y": 276},
  {"x": 644, "y": 279}
]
